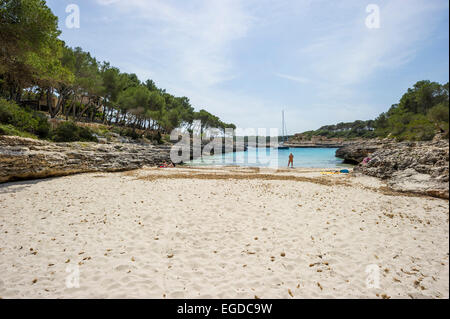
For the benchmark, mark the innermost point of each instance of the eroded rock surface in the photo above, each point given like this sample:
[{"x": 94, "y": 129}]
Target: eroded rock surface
[
  {"x": 23, "y": 158},
  {"x": 416, "y": 167},
  {"x": 355, "y": 152}
]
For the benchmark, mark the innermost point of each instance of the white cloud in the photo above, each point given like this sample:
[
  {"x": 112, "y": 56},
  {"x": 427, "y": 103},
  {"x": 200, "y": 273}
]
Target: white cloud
[
  {"x": 196, "y": 38},
  {"x": 293, "y": 78},
  {"x": 352, "y": 53},
  {"x": 192, "y": 47}
]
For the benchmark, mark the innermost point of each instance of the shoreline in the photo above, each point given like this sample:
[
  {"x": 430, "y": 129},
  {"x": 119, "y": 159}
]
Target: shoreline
[
  {"x": 231, "y": 232},
  {"x": 407, "y": 167}
]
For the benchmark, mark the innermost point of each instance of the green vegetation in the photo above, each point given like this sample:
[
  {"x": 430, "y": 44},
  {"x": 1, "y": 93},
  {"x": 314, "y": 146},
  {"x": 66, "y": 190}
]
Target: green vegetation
[
  {"x": 41, "y": 74},
  {"x": 357, "y": 129},
  {"x": 22, "y": 122},
  {"x": 423, "y": 111},
  {"x": 38, "y": 71},
  {"x": 70, "y": 132},
  {"x": 11, "y": 130}
]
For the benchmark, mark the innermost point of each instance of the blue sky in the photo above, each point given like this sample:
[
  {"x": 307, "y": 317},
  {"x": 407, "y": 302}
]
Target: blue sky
[{"x": 246, "y": 60}]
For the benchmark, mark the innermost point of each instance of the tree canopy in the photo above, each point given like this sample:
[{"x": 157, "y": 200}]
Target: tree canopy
[
  {"x": 36, "y": 66},
  {"x": 422, "y": 112}
]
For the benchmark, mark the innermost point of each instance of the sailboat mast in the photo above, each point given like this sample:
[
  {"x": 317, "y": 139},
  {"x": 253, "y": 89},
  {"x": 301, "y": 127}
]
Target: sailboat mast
[{"x": 281, "y": 145}]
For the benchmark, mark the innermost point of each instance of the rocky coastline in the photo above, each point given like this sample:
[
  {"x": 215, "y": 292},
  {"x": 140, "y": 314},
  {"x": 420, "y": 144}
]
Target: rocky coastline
[
  {"x": 316, "y": 145},
  {"x": 412, "y": 167},
  {"x": 24, "y": 158},
  {"x": 355, "y": 152}
]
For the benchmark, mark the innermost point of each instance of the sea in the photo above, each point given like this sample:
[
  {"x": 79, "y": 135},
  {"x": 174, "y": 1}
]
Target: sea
[{"x": 275, "y": 158}]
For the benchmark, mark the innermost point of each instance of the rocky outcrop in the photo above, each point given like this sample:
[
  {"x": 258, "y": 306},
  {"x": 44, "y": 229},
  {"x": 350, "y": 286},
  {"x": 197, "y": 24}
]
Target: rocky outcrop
[
  {"x": 23, "y": 158},
  {"x": 303, "y": 141},
  {"x": 206, "y": 148},
  {"x": 355, "y": 152},
  {"x": 414, "y": 167}
]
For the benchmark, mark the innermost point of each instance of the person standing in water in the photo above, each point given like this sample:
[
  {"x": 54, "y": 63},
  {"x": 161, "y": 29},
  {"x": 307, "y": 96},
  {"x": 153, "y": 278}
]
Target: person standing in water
[{"x": 291, "y": 160}]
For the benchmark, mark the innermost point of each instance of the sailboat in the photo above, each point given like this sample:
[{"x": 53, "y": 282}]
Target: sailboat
[{"x": 281, "y": 145}]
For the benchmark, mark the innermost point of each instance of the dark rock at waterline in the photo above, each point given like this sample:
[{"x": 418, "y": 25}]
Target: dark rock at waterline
[{"x": 355, "y": 153}]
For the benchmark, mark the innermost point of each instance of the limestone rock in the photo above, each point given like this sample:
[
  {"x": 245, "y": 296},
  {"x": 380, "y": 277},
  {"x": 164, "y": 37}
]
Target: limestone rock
[
  {"x": 416, "y": 167},
  {"x": 23, "y": 158},
  {"x": 354, "y": 153}
]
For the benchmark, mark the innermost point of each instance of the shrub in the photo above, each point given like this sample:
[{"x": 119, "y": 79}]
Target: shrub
[
  {"x": 23, "y": 120},
  {"x": 126, "y": 131},
  {"x": 131, "y": 133},
  {"x": 439, "y": 113},
  {"x": 43, "y": 127},
  {"x": 154, "y": 136},
  {"x": 8, "y": 129},
  {"x": 70, "y": 132},
  {"x": 421, "y": 128}
]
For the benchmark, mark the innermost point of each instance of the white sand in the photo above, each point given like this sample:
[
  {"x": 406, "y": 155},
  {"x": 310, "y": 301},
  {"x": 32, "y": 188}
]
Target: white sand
[{"x": 220, "y": 238}]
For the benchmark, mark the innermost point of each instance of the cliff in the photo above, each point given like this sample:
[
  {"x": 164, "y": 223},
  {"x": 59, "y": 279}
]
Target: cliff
[
  {"x": 415, "y": 167},
  {"x": 23, "y": 158}
]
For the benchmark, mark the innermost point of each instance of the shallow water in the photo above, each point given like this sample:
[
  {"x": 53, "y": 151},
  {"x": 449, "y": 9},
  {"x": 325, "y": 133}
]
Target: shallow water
[{"x": 270, "y": 157}]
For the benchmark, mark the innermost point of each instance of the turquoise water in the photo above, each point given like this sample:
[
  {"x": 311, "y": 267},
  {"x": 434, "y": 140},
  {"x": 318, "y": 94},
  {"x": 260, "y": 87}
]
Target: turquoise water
[{"x": 262, "y": 157}]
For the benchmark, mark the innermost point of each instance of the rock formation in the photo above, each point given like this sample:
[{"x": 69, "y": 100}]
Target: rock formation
[
  {"x": 23, "y": 158},
  {"x": 302, "y": 141},
  {"x": 355, "y": 152},
  {"x": 415, "y": 167}
]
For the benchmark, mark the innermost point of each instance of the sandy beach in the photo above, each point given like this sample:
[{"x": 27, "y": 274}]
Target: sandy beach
[{"x": 220, "y": 233}]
